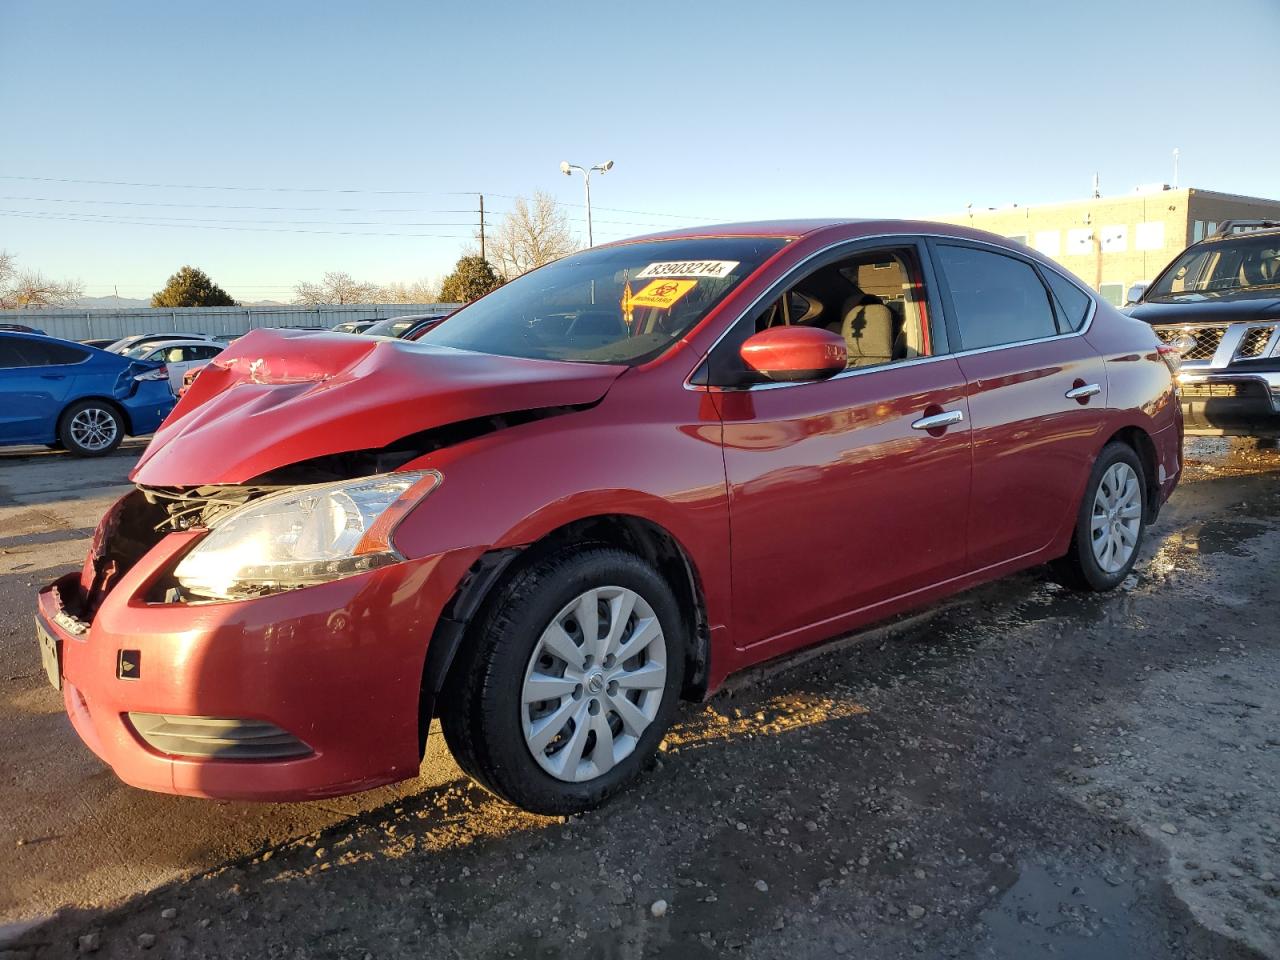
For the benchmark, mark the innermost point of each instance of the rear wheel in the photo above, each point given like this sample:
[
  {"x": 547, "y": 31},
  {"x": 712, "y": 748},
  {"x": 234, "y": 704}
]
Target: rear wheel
[
  {"x": 570, "y": 679},
  {"x": 1110, "y": 524},
  {"x": 91, "y": 428}
]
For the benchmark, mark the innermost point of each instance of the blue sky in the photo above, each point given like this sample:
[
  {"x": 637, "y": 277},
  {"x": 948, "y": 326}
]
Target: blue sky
[{"x": 711, "y": 110}]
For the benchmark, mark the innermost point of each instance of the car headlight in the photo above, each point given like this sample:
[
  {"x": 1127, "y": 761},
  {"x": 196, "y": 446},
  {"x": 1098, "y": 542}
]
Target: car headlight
[{"x": 303, "y": 536}]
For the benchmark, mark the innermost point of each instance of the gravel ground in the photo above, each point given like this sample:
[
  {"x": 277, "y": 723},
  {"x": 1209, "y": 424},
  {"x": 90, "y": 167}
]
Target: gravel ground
[{"x": 1023, "y": 772}]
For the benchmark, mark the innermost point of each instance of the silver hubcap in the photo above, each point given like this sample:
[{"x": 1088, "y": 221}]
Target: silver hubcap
[
  {"x": 93, "y": 428},
  {"x": 594, "y": 683},
  {"x": 1117, "y": 517}
]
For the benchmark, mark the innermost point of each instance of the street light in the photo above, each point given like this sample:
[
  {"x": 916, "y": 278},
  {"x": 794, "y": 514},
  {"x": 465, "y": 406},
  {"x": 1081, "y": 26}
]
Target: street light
[{"x": 567, "y": 169}]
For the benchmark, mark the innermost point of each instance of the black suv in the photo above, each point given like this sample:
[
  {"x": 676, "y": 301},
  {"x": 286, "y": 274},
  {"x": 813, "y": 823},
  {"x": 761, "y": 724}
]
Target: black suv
[{"x": 1218, "y": 304}]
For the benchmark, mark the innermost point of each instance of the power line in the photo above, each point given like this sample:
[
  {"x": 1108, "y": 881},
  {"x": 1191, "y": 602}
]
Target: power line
[
  {"x": 206, "y": 226},
  {"x": 341, "y": 190},
  {"x": 233, "y": 206}
]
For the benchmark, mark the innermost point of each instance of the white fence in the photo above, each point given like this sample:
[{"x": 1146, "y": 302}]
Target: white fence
[{"x": 226, "y": 321}]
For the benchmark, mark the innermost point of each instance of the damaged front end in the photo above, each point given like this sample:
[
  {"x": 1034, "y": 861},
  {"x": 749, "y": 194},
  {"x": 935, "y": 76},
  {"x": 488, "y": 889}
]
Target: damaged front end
[{"x": 294, "y": 455}]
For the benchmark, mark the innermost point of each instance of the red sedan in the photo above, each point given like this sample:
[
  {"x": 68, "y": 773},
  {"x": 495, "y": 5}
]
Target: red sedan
[{"x": 599, "y": 490}]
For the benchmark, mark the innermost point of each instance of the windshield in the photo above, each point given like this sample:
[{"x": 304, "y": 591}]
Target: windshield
[
  {"x": 139, "y": 351},
  {"x": 1221, "y": 267},
  {"x": 623, "y": 304}
]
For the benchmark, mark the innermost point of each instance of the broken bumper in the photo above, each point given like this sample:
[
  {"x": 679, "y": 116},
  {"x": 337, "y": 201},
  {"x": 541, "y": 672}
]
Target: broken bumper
[
  {"x": 305, "y": 694},
  {"x": 1230, "y": 403}
]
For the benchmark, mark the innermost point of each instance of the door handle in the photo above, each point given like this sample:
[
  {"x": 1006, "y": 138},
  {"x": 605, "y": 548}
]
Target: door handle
[
  {"x": 944, "y": 419},
  {"x": 53, "y": 376},
  {"x": 1084, "y": 392}
]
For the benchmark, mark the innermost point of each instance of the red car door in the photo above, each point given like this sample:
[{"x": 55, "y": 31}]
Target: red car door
[
  {"x": 1037, "y": 399},
  {"x": 847, "y": 492}
]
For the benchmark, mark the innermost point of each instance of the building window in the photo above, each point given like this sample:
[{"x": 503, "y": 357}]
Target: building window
[
  {"x": 1203, "y": 228},
  {"x": 1049, "y": 242},
  {"x": 1113, "y": 293},
  {"x": 1080, "y": 240},
  {"x": 1115, "y": 238},
  {"x": 1150, "y": 235},
  {"x": 1018, "y": 238}
]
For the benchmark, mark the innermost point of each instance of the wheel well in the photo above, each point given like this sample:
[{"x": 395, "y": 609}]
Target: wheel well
[
  {"x": 659, "y": 548},
  {"x": 645, "y": 539},
  {"x": 124, "y": 414},
  {"x": 1140, "y": 442}
]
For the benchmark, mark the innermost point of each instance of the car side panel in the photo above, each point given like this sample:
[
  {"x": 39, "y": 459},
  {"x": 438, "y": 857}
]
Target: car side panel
[
  {"x": 1033, "y": 447},
  {"x": 824, "y": 477},
  {"x": 1141, "y": 389},
  {"x": 643, "y": 451}
]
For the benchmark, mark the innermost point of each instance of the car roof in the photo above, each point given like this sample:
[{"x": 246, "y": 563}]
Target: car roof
[
  {"x": 191, "y": 342},
  {"x": 1240, "y": 235},
  {"x": 834, "y": 229},
  {"x": 45, "y": 338}
]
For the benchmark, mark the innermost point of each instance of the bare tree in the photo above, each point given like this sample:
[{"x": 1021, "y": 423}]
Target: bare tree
[
  {"x": 420, "y": 291},
  {"x": 337, "y": 287},
  {"x": 529, "y": 236},
  {"x": 32, "y": 289}
]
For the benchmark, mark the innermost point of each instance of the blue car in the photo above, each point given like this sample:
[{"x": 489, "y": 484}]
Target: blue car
[{"x": 61, "y": 393}]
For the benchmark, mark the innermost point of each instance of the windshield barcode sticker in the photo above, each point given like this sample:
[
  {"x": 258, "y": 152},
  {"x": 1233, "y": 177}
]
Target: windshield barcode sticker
[{"x": 688, "y": 268}]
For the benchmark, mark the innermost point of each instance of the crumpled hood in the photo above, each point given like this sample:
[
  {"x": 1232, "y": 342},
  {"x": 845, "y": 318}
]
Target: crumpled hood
[{"x": 277, "y": 397}]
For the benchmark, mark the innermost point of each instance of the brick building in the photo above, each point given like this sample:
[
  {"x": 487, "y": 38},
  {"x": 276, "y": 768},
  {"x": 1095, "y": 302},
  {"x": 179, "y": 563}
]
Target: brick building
[{"x": 1114, "y": 242}]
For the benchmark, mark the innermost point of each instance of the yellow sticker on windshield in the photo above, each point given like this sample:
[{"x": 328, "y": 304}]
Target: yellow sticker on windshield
[{"x": 662, "y": 293}]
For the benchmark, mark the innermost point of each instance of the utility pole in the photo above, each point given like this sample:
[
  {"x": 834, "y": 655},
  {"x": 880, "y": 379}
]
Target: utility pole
[
  {"x": 1176, "y": 152},
  {"x": 481, "y": 196}
]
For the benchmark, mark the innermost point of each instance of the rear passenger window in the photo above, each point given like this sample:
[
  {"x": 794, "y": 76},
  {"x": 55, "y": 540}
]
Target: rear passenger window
[
  {"x": 1073, "y": 303},
  {"x": 33, "y": 353},
  {"x": 997, "y": 299}
]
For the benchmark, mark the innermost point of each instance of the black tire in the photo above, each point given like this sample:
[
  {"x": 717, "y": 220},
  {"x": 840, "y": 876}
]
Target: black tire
[
  {"x": 481, "y": 709},
  {"x": 98, "y": 412},
  {"x": 1080, "y": 568}
]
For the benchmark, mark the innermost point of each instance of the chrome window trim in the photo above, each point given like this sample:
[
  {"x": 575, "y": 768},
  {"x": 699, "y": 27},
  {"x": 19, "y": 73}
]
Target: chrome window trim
[{"x": 856, "y": 371}]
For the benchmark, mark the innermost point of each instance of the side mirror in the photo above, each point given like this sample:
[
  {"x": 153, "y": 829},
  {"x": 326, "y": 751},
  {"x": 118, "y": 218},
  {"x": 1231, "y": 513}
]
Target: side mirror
[
  {"x": 795, "y": 353},
  {"x": 1135, "y": 293}
]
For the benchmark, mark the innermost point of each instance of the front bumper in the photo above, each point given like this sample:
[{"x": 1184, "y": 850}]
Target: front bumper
[
  {"x": 1230, "y": 403},
  {"x": 338, "y": 666}
]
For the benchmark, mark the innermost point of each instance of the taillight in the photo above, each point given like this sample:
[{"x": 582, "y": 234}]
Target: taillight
[
  {"x": 159, "y": 373},
  {"x": 1171, "y": 356}
]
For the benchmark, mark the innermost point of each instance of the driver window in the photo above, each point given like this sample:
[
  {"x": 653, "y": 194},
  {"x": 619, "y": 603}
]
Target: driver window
[{"x": 875, "y": 301}]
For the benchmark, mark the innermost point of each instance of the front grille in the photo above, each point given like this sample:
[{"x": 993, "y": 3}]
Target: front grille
[
  {"x": 218, "y": 738},
  {"x": 1204, "y": 340},
  {"x": 1255, "y": 342}
]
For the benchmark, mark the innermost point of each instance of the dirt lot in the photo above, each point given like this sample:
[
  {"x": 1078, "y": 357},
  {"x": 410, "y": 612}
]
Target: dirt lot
[{"x": 1023, "y": 772}]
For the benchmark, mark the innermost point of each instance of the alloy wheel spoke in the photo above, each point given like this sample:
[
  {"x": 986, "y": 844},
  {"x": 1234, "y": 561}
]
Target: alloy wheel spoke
[
  {"x": 570, "y": 754},
  {"x": 652, "y": 676},
  {"x": 555, "y": 640},
  {"x": 545, "y": 730},
  {"x": 541, "y": 686},
  {"x": 633, "y": 719},
  {"x": 647, "y": 630},
  {"x": 620, "y": 608},
  {"x": 602, "y": 749},
  {"x": 587, "y": 612}
]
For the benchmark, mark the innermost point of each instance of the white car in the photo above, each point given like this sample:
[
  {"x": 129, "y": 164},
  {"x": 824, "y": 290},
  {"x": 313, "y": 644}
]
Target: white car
[{"x": 178, "y": 355}]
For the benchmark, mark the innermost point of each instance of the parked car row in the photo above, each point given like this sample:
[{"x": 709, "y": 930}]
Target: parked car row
[{"x": 408, "y": 327}]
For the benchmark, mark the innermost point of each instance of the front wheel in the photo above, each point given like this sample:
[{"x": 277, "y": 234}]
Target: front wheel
[
  {"x": 1110, "y": 523},
  {"x": 570, "y": 678},
  {"x": 91, "y": 428}
]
